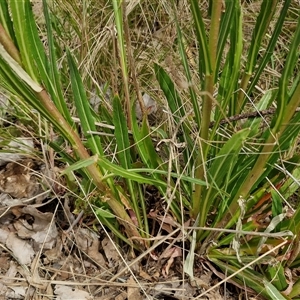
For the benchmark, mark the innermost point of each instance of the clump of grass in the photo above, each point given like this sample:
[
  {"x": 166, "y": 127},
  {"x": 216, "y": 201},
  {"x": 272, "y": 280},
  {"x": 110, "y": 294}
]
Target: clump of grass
[{"x": 207, "y": 71}]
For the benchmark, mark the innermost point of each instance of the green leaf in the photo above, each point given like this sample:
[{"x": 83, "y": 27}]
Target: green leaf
[
  {"x": 296, "y": 290},
  {"x": 220, "y": 172},
  {"x": 277, "y": 277},
  {"x": 123, "y": 153},
  {"x": 234, "y": 62},
  {"x": 276, "y": 203},
  {"x": 121, "y": 134},
  {"x": 204, "y": 56},
  {"x": 273, "y": 224},
  {"x": 104, "y": 213},
  {"x": 83, "y": 108},
  {"x": 20, "y": 23},
  {"x": 262, "y": 22},
  {"x": 249, "y": 277},
  {"x": 6, "y": 21},
  {"x": 57, "y": 90},
  {"x": 129, "y": 174},
  {"x": 172, "y": 96},
  {"x": 12, "y": 65},
  {"x": 80, "y": 164},
  {"x": 273, "y": 291},
  {"x": 144, "y": 144},
  {"x": 271, "y": 46},
  {"x": 225, "y": 27},
  {"x": 182, "y": 177},
  {"x": 193, "y": 96},
  {"x": 179, "y": 114}
]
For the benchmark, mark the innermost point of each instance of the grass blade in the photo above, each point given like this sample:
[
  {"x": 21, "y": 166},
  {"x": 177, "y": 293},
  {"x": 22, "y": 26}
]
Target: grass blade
[
  {"x": 121, "y": 134},
  {"x": 204, "y": 55},
  {"x": 83, "y": 108}
]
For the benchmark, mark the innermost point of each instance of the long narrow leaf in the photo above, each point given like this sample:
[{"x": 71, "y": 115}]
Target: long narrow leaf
[
  {"x": 271, "y": 46},
  {"x": 204, "y": 56},
  {"x": 21, "y": 32},
  {"x": 220, "y": 172},
  {"x": 6, "y": 21},
  {"x": 53, "y": 69},
  {"x": 129, "y": 174},
  {"x": 121, "y": 134},
  {"x": 83, "y": 108}
]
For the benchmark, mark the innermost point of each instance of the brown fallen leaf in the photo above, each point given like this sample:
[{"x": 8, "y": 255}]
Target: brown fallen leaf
[
  {"x": 21, "y": 249},
  {"x": 40, "y": 227},
  {"x": 133, "y": 292},
  {"x": 172, "y": 253},
  {"x": 110, "y": 251},
  {"x": 64, "y": 292}
]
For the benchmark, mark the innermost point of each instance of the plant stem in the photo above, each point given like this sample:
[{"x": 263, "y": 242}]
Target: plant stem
[
  {"x": 207, "y": 109},
  {"x": 9, "y": 45}
]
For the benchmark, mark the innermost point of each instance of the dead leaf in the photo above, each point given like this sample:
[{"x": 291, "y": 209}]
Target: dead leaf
[
  {"x": 8, "y": 278},
  {"x": 54, "y": 254},
  {"x": 110, "y": 251},
  {"x": 16, "y": 179},
  {"x": 172, "y": 252},
  {"x": 145, "y": 275},
  {"x": 133, "y": 292},
  {"x": 64, "y": 292},
  {"x": 34, "y": 277},
  {"x": 16, "y": 150},
  {"x": 185, "y": 290},
  {"x": 88, "y": 241},
  {"x": 21, "y": 249},
  {"x": 16, "y": 292},
  {"x": 40, "y": 227},
  {"x": 121, "y": 296}
]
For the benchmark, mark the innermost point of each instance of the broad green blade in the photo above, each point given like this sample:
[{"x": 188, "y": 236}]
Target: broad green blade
[
  {"x": 83, "y": 108},
  {"x": 121, "y": 134},
  {"x": 179, "y": 114},
  {"x": 123, "y": 153},
  {"x": 263, "y": 20},
  {"x": 18, "y": 12},
  {"x": 129, "y": 174},
  {"x": 80, "y": 164},
  {"x": 225, "y": 27},
  {"x": 173, "y": 175},
  {"x": 231, "y": 70},
  {"x": 247, "y": 277},
  {"x": 277, "y": 277},
  {"x": 193, "y": 96},
  {"x": 174, "y": 101},
  {"x": 273, "y": 291}
]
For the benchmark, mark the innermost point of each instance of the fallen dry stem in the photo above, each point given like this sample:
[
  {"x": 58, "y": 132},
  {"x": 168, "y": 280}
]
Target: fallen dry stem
[{"x": 140, "y": 257}]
